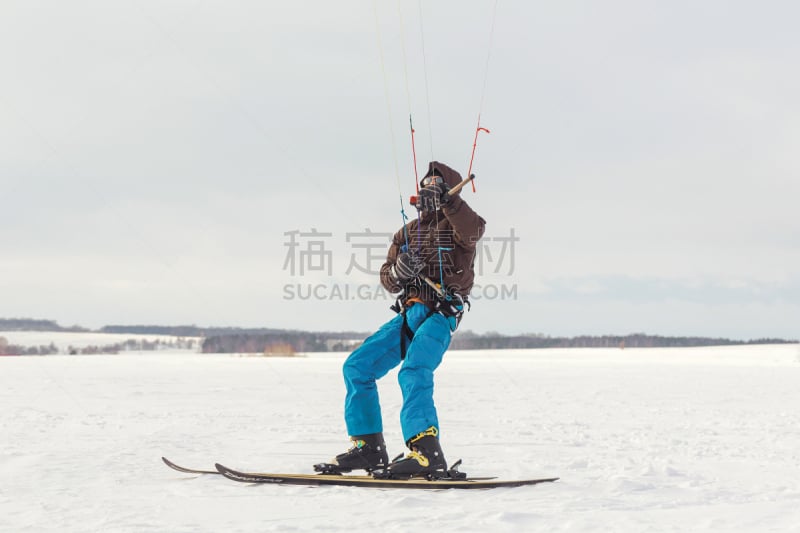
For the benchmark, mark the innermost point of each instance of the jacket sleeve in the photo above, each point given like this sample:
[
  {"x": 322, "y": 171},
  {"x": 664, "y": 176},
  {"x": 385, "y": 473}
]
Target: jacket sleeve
[
  {"x": 468, "y": 226},
  {"x": 387, "y": 280}
]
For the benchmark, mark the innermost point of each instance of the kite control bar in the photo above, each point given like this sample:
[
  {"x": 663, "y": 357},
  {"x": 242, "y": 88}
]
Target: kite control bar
[{"x": 413, "y": 200}]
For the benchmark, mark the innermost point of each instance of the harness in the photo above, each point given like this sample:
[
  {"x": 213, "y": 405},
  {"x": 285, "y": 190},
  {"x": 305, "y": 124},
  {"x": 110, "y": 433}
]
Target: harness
[{"x": 451, "y": 306}]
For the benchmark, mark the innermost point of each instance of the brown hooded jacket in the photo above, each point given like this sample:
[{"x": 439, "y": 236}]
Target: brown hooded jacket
[{"x": 455, "y": 229}]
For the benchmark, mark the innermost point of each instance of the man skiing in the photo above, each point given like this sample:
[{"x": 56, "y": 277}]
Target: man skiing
[{"x": 431, "y": 264}]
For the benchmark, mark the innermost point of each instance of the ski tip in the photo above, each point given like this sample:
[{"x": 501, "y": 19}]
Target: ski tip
[
  {"x": 237, "y": 475},
  {"x": 185, "y": 470}
]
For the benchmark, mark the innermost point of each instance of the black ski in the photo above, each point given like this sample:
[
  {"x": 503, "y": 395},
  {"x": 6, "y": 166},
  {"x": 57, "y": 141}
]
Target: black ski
[
  {"x": 187, "y": 470},
  {"x": 369, "y": 481}
]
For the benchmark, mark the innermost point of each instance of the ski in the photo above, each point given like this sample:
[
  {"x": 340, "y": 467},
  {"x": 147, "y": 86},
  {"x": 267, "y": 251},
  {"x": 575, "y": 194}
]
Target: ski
[
  {"x": 372, "y": 482},
  {"x": 186, "y": 470}
]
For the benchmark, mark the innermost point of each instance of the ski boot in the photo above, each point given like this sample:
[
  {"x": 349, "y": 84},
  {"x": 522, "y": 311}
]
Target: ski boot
[
  {"x": 425, "y": 460},
  {"x": 368, "y": 452}
]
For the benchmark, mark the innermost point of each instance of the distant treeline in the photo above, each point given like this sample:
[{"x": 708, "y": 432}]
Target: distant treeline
[
  {"x": 139, "y": 345},
  {"x": 324, "y": 342},
  {"x": 176, "y": 331},
  {"x": 270, "y": 340},
  {"x": 494, "y": 341},
  {"x": 196, "y": 331},
  {"x": 33, "y": 324},
  {"x": 13, "y": 349},
  {"x": 282, "y": 342}
]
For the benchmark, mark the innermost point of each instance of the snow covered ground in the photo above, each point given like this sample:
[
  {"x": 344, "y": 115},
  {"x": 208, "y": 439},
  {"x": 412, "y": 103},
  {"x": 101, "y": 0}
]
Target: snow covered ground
[{"x": 643, "y": 440}]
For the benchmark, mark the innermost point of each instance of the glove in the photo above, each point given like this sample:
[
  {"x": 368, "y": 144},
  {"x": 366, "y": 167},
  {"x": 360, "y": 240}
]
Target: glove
[
  {"x": 407, "y": 267},
  {"x": 434, "y": 196}
]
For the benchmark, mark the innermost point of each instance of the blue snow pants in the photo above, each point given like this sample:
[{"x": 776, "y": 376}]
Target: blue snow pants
[{"x": 378, "y": 355}]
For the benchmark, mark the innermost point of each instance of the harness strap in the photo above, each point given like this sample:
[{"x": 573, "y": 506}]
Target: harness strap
[
  {"x": 452, "y": 309},
  {"x": 406, "y": 333}
]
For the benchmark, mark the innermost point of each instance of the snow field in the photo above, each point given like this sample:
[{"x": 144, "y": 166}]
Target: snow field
[{"x": 643, "y": 440}]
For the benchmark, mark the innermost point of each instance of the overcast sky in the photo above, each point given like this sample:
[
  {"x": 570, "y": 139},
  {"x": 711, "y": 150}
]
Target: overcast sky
[{"x": 222, "y": 163}]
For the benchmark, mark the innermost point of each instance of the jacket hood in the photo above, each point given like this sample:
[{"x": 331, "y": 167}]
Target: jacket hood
[{"x": 451, "y": 177}]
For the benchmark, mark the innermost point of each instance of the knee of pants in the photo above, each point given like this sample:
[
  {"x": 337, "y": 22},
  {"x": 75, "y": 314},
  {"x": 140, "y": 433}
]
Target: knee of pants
[
  {"x": 353, "y": 372},
  {"x": 427, "y": 350},
  {"x": 413, "y": 378}
]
